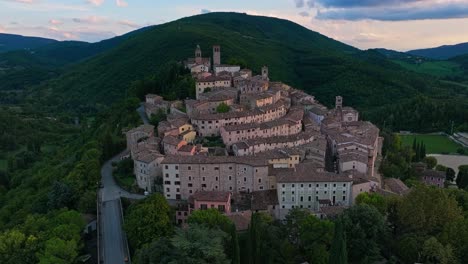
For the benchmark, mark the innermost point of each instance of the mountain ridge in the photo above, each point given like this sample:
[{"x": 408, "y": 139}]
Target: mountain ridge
[{"x": 442, "y": 52}]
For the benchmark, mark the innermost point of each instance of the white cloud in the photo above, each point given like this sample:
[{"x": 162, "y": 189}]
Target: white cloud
[
  {"x": 55, "y": 22},
  {"x": 90, "y": 20},
  {"x": 96, "y": 2},
  {"x": 121, "y": 3},
  {"x": 128, "y": 23}
]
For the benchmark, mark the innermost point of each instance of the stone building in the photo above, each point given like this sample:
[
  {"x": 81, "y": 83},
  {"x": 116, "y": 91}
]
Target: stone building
[
  {"x": 210, "y": 124},
  {"x": 137, "y": 134},
  {"x": 185, "y": 175},
  {"x": 305, "y": 186},
  {"x": 211, "y": 82}
]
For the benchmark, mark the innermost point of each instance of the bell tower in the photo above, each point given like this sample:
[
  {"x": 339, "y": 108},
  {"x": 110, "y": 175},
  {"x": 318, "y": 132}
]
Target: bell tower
[
  {"x": 338, "y": 102},
  {"x": 265, "y": 73},
  {"x": 198, "y": 55},
  {"x": 216, "y": 55}
]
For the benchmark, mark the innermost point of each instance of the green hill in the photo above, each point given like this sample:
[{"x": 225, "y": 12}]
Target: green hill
[
  {"x": 9, "y": 42},
  {"x": 294, "y": 54}
]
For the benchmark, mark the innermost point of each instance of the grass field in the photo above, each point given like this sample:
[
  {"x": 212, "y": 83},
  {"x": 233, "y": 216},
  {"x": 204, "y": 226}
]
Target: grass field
[
  {"x": 435, "y": 68},
  {"x": 435, "y": 144}
]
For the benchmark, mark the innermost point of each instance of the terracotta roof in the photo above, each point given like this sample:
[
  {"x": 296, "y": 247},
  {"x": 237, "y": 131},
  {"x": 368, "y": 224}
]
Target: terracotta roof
[
  {"x": 332, "y": 211},
  {"x": 171, "y": 140},
  {"x": 396, "y": 186},
  {"x": 241, "y": 219},
  {"x": 307, "y": 172},
  {"x": 214, "y": 79},
  {"x": 186, "y": 148},
  {"x": 257, "y": 111},
  {"x": 274, "y": 140},
  {"x": 143, "y": 128},
  {"x": 434, "y": 173},
  {"x": 262, "y": 199},
  {"x": 212, "y": 196},
  {"x": 201, "y": 159}
]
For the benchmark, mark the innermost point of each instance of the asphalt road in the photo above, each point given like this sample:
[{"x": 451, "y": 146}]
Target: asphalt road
[
  {"x": 114, "y": 248},
  {"x": 113, "y": 242}
]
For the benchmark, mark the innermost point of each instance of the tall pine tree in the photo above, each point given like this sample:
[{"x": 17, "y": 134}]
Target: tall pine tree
[
  {"x": 235, "y": 254},
  {"x": 338, "y": 252}
]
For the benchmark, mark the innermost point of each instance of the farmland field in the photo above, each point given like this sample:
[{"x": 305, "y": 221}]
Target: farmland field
[{"x": 435, "y": 144}]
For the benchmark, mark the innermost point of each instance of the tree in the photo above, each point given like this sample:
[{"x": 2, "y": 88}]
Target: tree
[
  {"x": 338, "y": 253},
  {"x": 373, "y": 199},
  {"x": 147, "y": 220},
  {"x": 440, "y": 167},
  {"x": 199, "y": 244},
  {"x": 450, "y": 174},
  {"x": 159, "y": 251},
  {"x": 431, "y": 162},
  {"x": 61, "y": 195},
  {"x": 58, "y": 251},
  {"x": 160, "y": 115},
  {"x": 462, "y": 177},
  {"x": 16, "y": 247},
  {"x": 213, "y": 219},
  {"x": 423, "y": 150},
  {"x": 222, "y": 108},
  {"x": 365, "y": 228},
  {"x": 426, "y": 210},
  {"x": 263, "y": 240},
  {"x": 434, "y": 252}
]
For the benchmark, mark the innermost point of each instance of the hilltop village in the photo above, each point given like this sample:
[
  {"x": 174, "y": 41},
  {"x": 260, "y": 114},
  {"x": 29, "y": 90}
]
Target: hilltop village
[{"x": 277, "y": 147}]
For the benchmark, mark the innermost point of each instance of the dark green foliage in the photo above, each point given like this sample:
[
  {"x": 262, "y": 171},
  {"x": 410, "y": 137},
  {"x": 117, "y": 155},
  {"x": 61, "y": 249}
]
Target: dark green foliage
[
  {"x": 147, "y": 220},
  {"x": 222, "y": 108},
  {"x": 450, "y": 174},
  {"x": 462, "y": 177},
  {"x": 373, "y": 199},
  {"x": 365, "y": 229},
  {"x": 397, "y": 160},
  {"x": 61, "y": 195},
  {"x": 431, "y": 162},
  {"x": 159, "y": 251},
  {"x": 338, "y": 253},
  {"x": 158, "y": 117}
]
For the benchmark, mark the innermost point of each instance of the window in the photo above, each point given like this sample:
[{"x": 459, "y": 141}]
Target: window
[
  {"x": 176, "y": 167},
  {"x": 283, "y": 185},
  {"x": 326, "y": 185},
  {"x": 317, "y": 185},
  {"x": 189, "y": 168},
  {"x": 221, "y": 208},
  {"x": 260, "y": 180},
  {"x": 190, "y": 185},
  {"x": 302, "y": 198},
  {"x": 310, "y": 185},
  {"x": 283, "y": 199},
  {"x": 230, "y": 168},
  {"x": 216, "y": 168},
  {"x": 168, "y": 189},
  {"x": 310, "y": 198},
  {"x": 293, "y": 185},
  {"x": 203, "y": 178},
  {"x": 334, "y": 185},
  {"x": 177, "y": 175},
  {"x": 203, "y": 206},
  {"x": 203, "y": 185},
  {"x": 189, "y": 178},
  {"x": 245, "y": 179},
  {"x": 167, "y": 175},
  {"x": 302, "y": 185},
  {"x": 292, "y": 199},
  {"x": 230, "y": 178},
  {"x": 177, "y": 183},
  {"x": 167, "y": 167},
  {"x": 167, "y": 182},
  {"x": 216, "y": 178}
]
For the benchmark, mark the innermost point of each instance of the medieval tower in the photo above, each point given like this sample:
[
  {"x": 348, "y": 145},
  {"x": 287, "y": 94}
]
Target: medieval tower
[
  {"x": 216, "y": 55},
  {"x": 198, "y": 55},
  {"x": 265, "y": 73},
  {"x": 339, "y": 102}
]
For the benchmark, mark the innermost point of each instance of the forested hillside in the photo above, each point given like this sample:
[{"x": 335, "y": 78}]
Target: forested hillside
[
  {"x": 442, "y": 52},
  {"x": 10, "y": 42}
]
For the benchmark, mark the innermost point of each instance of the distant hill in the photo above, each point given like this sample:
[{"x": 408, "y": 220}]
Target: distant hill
[
  {"x": 294, "y": 54},
  {"x": 9, "y": 42},
  {"x": 442, "y": 52},
  {"x": 22, "y": 68}
]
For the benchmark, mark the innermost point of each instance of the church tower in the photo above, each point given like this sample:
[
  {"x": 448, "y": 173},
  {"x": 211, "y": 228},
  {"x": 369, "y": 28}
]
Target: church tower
[
  {"x": 265, "y": 73},
  {"x": 338, "y": 102},
  {"x": 216, "y": 55},
  {"x": 198, "y": 55}
]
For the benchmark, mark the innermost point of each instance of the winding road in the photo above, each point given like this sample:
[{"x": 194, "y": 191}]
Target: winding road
[{"x": 113, "y": 245}]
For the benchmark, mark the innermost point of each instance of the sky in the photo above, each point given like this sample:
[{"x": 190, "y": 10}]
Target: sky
[{"x": 393, "y": 24}]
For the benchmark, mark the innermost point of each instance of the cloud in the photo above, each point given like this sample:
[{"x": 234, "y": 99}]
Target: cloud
[
  {"x": 121, "y": 3},
  {"x": 55, "y": 22},
  {"x": 90, "y": 20},
  {"x": 360, "y": 3},
  {"x": 299, "y": 3},
  {"x": 128, "y": 23},
  {"x": 96, "y": 2},
  {"x": 205, "y": 11},
  {"x": 22, "y": 1},
  {"x": 304, "y": 14},
  {"x": 398, "y": 13}
]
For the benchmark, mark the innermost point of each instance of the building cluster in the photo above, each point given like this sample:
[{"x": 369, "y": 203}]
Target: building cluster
[{"x": 283, "y": 149}]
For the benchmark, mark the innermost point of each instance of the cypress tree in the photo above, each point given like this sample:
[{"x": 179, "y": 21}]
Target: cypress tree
[
  {"x": 417, "y": 152},
  {"x": 235, "y": 246},
  {"x": 414, "y": 149},
  {"x": 423, "y": 150},
  {"x": 338, "y": 252}
]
